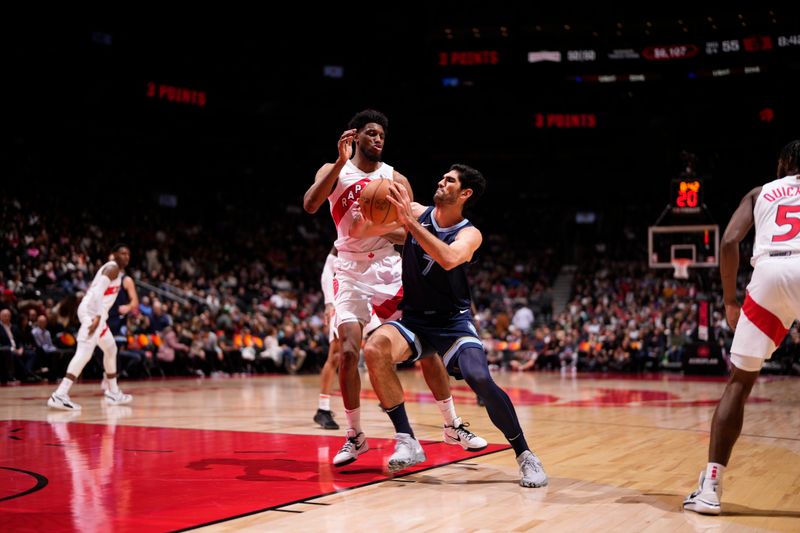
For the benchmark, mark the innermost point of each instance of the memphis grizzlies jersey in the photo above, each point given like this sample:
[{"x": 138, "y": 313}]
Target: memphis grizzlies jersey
[{"x": 429, "y": 289}]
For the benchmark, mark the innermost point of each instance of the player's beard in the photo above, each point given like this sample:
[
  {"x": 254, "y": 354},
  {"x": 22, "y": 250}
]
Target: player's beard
[
  {"x": 440, "y": 197},
  {"x": 371, "y": 157}
]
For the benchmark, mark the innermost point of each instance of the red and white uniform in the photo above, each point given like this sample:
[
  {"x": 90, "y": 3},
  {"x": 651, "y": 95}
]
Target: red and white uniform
[
  {"x": 328, "y": 281},
  {"x": 773, "y": 294},
  {"x": 368, "y": 275},
  {"x": 98, "y": 300}
]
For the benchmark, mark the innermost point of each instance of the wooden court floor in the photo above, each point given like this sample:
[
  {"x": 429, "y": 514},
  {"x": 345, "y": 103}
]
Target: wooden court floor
[{"x": 621, "y": 453}]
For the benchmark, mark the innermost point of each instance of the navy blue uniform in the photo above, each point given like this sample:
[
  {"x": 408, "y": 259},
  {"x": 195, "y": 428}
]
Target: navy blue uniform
[
  {"x": 115, "y": 320},
  {"x": 436, "y": 302}
]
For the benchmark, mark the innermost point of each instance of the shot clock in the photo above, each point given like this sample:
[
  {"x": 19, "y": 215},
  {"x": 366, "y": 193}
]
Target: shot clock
[{"x": 686, "y": 195}]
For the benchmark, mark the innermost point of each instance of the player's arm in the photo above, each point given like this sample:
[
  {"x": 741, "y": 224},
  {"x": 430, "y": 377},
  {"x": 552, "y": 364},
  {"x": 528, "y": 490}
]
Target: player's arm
[
  {"x": 399, "y": 178},
  {"x": 328, "y": 174},
  {"x": 324, "y": 183},
  {"x": 398, "y": 235},
  {"x": 738, "y": 227},
  {"x": 130, "y": 288},
  {"x": 451, "y": 255},
  {"x": 448, "y": 256},
  {"x": 95, "y": 303},
  {"x": 361, "y": 227},
  {"x": 394, "y": 232}
]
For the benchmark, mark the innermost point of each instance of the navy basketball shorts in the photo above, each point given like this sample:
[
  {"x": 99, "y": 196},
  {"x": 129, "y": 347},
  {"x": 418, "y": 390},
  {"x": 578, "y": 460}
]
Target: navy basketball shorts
[{"x": 428, "y": 336}]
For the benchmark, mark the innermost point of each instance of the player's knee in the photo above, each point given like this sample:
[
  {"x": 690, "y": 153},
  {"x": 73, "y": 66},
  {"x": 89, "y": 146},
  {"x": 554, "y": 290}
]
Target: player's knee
[
  {"x": 349, "y": 354},
  {"x": 746, "y": 363},
  {"x": 472, "y": 364},
  {"x": 478, "y": 381},
  {"x": 371, "y": 354},
  {"x": 110, "y": 350},
  {"x": 376, "y": 349}
]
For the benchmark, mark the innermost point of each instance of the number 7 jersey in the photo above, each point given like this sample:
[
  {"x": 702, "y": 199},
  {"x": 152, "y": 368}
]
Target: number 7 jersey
[{"x": 777, "y": 219}]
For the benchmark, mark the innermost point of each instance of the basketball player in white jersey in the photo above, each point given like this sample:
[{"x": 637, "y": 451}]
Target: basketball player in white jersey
[
  {"x": 93, "y": 312},
  {"x": 771, "y": 305},
  {"x": 324, "y": 416},
  {"x": 368, "y": 273}
]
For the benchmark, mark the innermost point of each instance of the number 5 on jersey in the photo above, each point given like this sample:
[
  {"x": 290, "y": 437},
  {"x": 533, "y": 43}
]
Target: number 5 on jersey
[{"x": 783, "y": 219}]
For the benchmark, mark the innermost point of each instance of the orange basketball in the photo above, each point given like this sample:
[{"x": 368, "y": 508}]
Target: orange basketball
[{"x": 374, "y": 204}]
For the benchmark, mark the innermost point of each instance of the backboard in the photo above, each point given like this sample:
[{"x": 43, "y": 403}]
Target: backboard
[{"x": 699, "y": 244}]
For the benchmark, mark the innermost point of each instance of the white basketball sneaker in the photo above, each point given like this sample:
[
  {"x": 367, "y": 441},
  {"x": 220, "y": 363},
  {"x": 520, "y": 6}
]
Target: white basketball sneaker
[
  {"x": 354, "y": 446},
  {"x": 117, "y": 398},
  {"x": 459, "y": 434},
  {"x": 705, "y": 500},
  {"x": 531, "y": 469},
  {"x": 62, "y": 401},
  {"x": 407, "y": 452}
]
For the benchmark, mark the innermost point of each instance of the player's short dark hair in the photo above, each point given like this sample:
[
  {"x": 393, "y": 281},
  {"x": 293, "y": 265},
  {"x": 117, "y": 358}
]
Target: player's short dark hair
[
  {"x": 789, "y": 160},
  {"x": 362, "y": 118},
  {"x": 470, "y": 179},
  {"x": 119, "y": 246}
]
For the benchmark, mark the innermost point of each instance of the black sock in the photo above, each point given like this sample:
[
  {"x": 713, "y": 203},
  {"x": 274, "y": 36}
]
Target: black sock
[
  {"x": 400, "y": 419},
  {"x": 520, "y": 444},
  {"x": 473, "y": 366}
]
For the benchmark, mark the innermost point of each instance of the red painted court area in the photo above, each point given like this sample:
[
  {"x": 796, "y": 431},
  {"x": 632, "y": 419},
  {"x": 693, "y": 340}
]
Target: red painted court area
[{"x": 87, "y": 477}]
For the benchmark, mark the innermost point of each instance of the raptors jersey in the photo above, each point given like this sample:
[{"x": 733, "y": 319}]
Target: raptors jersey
[
  {"x": 107, "y": 298},
  {"x": 352, "y": 181},
  {"x": 777, "y": 219}
]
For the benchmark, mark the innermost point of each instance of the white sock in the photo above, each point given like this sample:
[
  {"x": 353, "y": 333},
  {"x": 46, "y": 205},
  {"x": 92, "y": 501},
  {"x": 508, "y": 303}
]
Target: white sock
[
  {"x": 448, "y": 410},
  {"x": 714, "y": 473},
  {"x": 325, "y": 402},
  {"x": 112, "y": 385},
  {"x": 354, "y": 419},
  {"x": 64, "y": 386}
]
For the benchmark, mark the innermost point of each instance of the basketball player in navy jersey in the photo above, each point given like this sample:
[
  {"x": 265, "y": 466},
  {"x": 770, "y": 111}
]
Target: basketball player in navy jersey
[
  {"x": 437, "y": 317},
  {"x": 771, "y": 305}
]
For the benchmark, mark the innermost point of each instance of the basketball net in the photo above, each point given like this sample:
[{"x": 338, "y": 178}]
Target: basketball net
[{"x": 681, "y": 266}]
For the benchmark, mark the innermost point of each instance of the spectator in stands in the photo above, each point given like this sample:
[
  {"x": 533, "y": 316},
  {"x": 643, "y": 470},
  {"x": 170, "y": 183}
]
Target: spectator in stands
[
  {"x": 174, "y": 353},
  {"x": 523, "y": 319},
  {"x": 160, "y": 320},
  {"x": 145, "y": 308},
  {"x": 9, "y": 350}
]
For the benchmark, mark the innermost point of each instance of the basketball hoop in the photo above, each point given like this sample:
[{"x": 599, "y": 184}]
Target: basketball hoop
[{"x": 681, "y": 266}]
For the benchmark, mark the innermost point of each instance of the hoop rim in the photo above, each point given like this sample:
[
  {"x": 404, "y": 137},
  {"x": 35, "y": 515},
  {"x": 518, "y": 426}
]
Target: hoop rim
[{"x": 681, "y": 267}]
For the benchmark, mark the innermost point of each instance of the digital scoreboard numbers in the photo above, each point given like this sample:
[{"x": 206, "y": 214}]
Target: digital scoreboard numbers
[{"x": 687, "y": 195}]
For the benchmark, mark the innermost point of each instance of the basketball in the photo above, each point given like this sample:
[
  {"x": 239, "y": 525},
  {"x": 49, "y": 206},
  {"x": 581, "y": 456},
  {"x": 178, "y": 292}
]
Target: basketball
[{"x": 374, "y": 205}]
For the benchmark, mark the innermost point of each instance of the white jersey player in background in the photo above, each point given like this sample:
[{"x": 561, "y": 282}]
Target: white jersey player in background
[
  {"x": 93, "y": 313},
  {"x": 771, "y": 304},
  {"x": 368, "y": 273}
]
